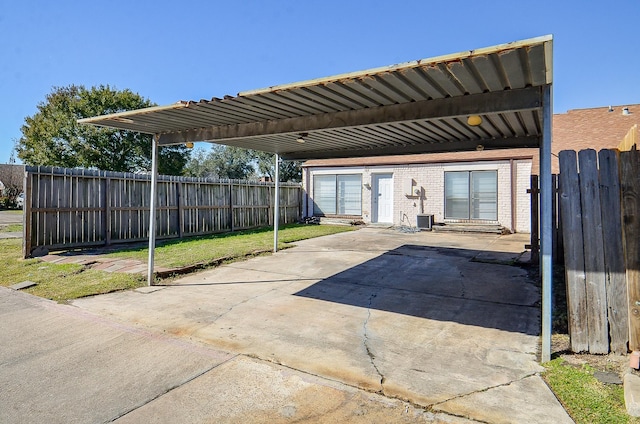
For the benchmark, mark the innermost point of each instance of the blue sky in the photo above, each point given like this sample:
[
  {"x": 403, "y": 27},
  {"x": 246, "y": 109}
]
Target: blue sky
[{"x": 169, "y": 50}]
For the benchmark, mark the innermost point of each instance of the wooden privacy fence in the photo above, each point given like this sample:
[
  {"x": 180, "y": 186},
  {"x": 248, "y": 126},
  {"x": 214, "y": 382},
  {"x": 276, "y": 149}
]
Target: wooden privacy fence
[
  {"x": 591, "y": 212},
  {"x": 67, "y": 208}
]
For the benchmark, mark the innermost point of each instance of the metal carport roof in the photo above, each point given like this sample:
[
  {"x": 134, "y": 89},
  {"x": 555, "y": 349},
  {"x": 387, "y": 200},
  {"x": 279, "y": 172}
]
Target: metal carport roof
[{"x": 414, "y": 107}]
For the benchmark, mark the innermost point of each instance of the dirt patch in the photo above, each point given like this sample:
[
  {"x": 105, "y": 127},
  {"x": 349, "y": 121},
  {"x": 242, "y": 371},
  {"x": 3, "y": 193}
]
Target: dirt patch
[{"x": 612, "y": 363}]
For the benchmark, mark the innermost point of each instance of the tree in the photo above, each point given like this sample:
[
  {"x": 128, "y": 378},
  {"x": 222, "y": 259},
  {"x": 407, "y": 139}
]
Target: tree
[
  {"x": 221, "y": 162},
  {"x": 290, "y": 170},
  {"x": 238, "y": 163},
  {"x": 53, "y": 137},
  {"x": 11, "y": 182}
]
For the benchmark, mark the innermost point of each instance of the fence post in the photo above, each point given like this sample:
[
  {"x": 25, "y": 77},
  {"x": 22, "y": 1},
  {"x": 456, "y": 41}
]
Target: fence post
[
  {"x": 231, "y": 205},
  {"x": 630, "y": 187},
  {"x": 26, "y": 215},
  {"x": 107, "y": 210},
  {"x": 535, "y": 219},
  {"x": 554, "y": 216},
  {"x": 180, "y": 203}
]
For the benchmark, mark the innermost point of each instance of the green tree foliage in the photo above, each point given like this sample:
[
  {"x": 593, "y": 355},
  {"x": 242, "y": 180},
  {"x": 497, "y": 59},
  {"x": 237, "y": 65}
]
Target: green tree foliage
[
  {"x": 238, "y": 163},
  {"x": 290, "y": 170},
  {"x": 53, "y": 137},
  {"x": 221, "y": 162}
]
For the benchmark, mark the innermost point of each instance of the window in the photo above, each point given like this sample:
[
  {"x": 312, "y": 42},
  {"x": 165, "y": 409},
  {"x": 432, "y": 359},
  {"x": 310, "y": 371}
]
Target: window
[
  {"x": 337, "y": 194},
  {"x": 471, "y": 195}
]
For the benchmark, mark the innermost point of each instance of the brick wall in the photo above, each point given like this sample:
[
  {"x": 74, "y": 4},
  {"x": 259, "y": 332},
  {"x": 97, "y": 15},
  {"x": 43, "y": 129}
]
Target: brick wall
[{"x": 429, "y": 180}]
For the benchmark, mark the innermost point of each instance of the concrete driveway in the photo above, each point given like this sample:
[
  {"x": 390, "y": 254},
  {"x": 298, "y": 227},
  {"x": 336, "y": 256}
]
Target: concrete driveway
[
  {"x": 417, "y": 317},
  {"x": 10, "y": 217}
]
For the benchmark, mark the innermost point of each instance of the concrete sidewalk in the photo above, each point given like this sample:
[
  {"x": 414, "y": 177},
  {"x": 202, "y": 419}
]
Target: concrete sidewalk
[{"x": 435, "y": 319}]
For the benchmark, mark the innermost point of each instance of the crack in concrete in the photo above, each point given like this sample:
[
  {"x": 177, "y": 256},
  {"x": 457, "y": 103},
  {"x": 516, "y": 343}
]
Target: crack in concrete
[
  {"x": 426, "y": 408},
  {"x": 486, "y": 389},
  {"x": 463, "y": 287},
  {"x": 365, "y": 342},
  {"x": 235, "y": 305},
  {"x": 172, "y": 388}
]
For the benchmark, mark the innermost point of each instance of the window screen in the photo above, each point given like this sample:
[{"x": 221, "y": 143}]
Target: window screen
[
  {"x": 471, "y": 195},
  {"x": 337, "y": 194}
]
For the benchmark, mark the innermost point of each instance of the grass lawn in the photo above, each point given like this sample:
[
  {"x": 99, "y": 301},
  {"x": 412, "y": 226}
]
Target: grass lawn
[
  {"x": 58, "y": 282},
  {"x": 62, "y": 282},
  {"x": 11, "y": 228},
  {"x": 199, "y": 250},
  {"x": 585, "y": 398}
]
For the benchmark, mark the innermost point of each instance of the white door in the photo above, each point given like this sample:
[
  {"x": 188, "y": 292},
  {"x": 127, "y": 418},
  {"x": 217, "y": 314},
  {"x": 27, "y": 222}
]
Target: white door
[{"x": 382, "y": 201}]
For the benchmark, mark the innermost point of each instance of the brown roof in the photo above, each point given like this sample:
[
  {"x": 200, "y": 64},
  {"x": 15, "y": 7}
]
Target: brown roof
[
  {"x": 595, "y": 128},
  {"x": 577, "y": 129}
]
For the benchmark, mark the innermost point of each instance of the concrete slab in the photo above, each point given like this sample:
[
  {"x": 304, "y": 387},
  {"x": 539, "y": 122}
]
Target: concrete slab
[
  {"x": 246, "y": 390},
  {"x": 23, "y": 285},
  {"x": 510, "y": 403},
  {"x": 60, "y": 364},
  {"x": 408, "y": 316},
  {"x": 632, "y": 394}
]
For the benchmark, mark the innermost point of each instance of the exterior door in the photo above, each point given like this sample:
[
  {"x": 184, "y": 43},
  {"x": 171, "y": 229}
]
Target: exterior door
[{"x": 382, "y": 202}]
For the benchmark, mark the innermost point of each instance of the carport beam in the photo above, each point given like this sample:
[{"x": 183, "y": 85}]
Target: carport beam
[
  {"x": 152, "y": 208},
  {"x": 276, "y": 204},
  {"x": 546, "y": 222}
]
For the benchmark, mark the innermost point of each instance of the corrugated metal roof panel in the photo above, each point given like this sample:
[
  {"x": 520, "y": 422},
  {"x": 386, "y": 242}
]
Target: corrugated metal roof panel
[{"x": 481, "y": 72}]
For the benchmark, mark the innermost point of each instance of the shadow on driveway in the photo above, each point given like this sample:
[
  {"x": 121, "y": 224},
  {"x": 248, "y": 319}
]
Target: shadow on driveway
[{"x": 414, "y": 280}]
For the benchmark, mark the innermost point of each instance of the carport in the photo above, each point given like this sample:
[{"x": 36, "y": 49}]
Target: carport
[{"x": 492, "y": 98}]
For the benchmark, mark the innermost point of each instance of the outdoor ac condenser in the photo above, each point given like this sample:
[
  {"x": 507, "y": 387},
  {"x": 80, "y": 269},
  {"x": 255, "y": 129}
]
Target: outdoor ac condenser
[{"x": 424, "y": 222}]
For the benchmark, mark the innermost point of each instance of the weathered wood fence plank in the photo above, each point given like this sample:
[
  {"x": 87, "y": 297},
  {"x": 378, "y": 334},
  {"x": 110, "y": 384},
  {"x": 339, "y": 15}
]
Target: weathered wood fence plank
[
  {"x": 630, "y": 192},
  {"x": 615, "y": 279},
  {"x": 593, "y": 252},
  {"x": 573, "y": 251}
]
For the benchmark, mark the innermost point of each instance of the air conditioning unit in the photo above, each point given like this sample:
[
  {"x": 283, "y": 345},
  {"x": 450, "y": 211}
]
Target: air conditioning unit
[{"x": 424, "y": 222}]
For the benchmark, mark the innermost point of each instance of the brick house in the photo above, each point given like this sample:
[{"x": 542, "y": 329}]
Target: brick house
[{"x": 477, "y": 187}]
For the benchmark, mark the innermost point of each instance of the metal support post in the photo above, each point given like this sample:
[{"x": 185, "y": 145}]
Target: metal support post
[
  {"x": 152, "y": 208},
  {"x": 276, "y": 203},
  {"x": 546, "y": 240}
]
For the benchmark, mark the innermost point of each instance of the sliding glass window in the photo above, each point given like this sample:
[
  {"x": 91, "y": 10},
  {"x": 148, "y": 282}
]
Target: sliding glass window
[
  {"x": 337, "y": 194},
  {"x": 471, "y": 195}
]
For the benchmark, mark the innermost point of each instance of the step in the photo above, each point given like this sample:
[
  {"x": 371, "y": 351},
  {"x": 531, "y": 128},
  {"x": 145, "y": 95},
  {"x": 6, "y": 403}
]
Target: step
[{"x": 471, "y": 228}]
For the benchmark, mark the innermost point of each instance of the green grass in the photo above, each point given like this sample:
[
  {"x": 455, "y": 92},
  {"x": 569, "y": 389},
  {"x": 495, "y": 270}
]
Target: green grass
[
  {"x": 62, "y": 282},
  {"x": 199, "y": 250},
  {"x": 58, "y": 282},
  {"x": 11, "y": 228},
  {"x": 585, "y": 398}
]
